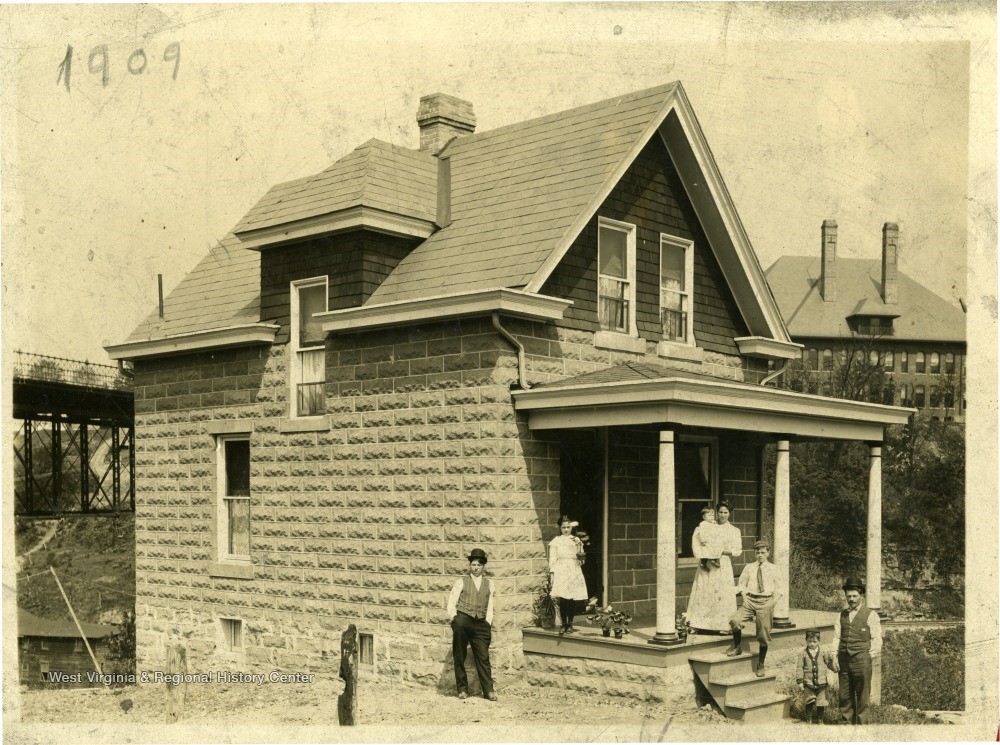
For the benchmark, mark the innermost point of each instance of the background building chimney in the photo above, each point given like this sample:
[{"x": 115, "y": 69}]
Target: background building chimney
[
  {"x": 890, "y": 256},
  {"x": 442, "y": 117},
  {"x": 828, "y": 261}
]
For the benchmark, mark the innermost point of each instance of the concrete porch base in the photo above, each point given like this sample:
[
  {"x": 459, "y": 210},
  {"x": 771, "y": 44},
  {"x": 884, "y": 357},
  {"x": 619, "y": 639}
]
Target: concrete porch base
[{"x": 632, "y": 667}]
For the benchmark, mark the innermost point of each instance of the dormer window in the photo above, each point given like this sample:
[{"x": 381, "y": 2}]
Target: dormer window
[
  {"x": 874, "y": 325},
  {"x": 676, "y": 283},
  {"x": 308, "y": 347},
  {"x": 616, "y": 276}
]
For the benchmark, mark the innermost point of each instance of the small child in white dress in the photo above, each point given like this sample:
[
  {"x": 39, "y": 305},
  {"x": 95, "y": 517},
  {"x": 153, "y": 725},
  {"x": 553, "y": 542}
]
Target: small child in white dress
[{"x": 709, "y": 539}]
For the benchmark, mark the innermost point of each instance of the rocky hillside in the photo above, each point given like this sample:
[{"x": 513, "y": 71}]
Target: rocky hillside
[{"x": 94, "y": 556}]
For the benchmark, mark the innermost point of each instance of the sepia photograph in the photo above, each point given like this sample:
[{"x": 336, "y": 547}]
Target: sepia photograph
[{"x": 488, "y": 372}]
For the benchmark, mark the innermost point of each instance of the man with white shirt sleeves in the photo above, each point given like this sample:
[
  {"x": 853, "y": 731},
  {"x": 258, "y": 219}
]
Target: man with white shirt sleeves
[
  {"x": 857, "y": 637},
  {"x": 759, "y": 585},
  {"x": 470, "y": 608}
]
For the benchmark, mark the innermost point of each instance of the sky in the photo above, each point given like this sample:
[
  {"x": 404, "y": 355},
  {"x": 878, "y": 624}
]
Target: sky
[{"x": 827, "y": 111}]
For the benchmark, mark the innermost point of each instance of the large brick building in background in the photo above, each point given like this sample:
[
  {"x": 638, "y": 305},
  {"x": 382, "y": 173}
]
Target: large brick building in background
[
  {"x": 835, "y": 306},
  {"x": 416, "y": 352}
]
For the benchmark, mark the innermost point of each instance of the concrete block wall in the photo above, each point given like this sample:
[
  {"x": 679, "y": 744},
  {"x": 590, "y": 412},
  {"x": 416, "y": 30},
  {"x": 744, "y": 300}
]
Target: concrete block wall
[{"x": 369, "y": 521}]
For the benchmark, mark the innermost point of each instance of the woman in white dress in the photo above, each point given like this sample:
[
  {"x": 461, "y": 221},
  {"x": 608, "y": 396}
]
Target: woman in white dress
[
  {"x": 713, "y": 595},
  {"x": 569, "y": 588}
]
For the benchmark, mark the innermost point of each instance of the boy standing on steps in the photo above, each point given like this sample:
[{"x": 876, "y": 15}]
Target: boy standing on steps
[
  {"x": 811, "y": 677},
  {"x": 470, "y": 608},
  {"x": 759, "y": 585}
]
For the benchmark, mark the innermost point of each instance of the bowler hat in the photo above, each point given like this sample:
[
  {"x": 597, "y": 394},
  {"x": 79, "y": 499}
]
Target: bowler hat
[
  {"x": 854, "y": 583},
  {"x": 761, "y": 544},
  {"x": 477, "y": 553}
]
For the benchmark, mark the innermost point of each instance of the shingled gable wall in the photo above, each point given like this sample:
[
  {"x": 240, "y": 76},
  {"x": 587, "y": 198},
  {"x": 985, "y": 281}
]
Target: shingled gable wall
[{"x": 651, "y": 196}]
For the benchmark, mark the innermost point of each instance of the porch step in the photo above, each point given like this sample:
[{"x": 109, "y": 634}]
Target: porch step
[
  {"x": 737, "y": 690},
  {"x": 759, "y": 707}
]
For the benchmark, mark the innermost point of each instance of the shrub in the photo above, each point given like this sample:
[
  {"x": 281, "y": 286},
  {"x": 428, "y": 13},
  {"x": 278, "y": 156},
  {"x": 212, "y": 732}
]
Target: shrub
[
  {"x": 121, "y": 647},
  {"x": 924, "y": 669},
  {"x": 810, "y": 586}
]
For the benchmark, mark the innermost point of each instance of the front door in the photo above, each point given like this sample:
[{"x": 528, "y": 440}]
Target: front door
[{"x": 581, "y": 475}]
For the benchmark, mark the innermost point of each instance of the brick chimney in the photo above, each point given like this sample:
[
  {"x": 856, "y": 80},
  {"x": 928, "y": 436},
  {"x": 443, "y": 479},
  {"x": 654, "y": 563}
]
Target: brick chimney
[
  {"x": 442, "y": 117},
  {"x": 828, "y": 261},
  {"x": 890, "y": 257}
]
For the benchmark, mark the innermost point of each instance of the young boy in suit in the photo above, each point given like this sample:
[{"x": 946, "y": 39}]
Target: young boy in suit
[
  {"x": 811, "y": 677},
  {"x": 470, "y": 608}
]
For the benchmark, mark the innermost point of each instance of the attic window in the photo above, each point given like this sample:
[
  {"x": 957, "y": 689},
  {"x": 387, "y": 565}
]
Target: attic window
[
  {"x": 616, "y": 276},
  {"x": 874, "y": 326}
]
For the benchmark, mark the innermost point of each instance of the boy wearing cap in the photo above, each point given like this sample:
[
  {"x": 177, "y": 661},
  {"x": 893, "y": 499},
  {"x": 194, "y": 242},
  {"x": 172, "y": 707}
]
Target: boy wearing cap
[
  {"x": 811, "y": 677},
  {"x": 470, "y": 608},
  {"x": 857, "y": 637},
  {"x": 759, "y": 585}
]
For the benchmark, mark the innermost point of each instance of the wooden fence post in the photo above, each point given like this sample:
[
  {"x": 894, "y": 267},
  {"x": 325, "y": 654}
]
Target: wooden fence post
[
  {"x": 347, "y": 704},
  {"x": 176, "y": 692}
]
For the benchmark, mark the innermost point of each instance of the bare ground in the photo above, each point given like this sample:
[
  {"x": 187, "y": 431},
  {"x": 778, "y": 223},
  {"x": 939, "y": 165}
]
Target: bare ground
[{"x": 380, "y": 702}]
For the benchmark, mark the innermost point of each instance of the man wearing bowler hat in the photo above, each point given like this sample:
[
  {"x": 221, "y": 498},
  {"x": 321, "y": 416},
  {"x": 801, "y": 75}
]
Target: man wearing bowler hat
[
  {"x": 857, "y": 637},
  {"x": 470, "y": 608}
]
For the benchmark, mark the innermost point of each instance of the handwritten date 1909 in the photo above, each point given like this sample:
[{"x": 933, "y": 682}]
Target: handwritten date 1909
[{"x": 98, "y": 61}]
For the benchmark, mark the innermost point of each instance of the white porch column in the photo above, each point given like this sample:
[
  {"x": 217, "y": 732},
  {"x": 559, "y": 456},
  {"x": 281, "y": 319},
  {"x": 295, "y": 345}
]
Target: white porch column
[
  {"x": 666, "y": 545},
  {"x": 873, "y": 580},
  {"x": 782, "y": 529},
  {"x": 874, "y": 558}
]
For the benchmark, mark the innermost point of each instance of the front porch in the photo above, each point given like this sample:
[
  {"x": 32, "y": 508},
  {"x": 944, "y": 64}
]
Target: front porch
[{"x": 634, "y": 668}]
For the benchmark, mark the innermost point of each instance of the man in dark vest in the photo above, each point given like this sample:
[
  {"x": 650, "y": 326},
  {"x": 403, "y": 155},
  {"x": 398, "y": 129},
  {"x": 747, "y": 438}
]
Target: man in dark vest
[
  {"x": 857, "y": 637},
  {"x": 470, "y": 608}
]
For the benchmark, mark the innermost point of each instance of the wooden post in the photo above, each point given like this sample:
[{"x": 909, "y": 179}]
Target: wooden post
[
  {"x": 79, "y": 628},
  {"x": 782, "y": 533},
  {"x": 176, "y": 692},
  {"x": 347, "y": 704},
  {"x": 666, "y": 545}
]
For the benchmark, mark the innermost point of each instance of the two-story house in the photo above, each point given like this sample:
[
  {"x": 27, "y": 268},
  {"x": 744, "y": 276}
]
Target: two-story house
[{"x": 420, "y": 351}]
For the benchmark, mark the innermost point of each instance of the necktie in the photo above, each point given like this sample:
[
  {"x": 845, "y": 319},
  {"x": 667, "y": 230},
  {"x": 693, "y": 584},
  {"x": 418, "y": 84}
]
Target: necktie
[{"x": 760, "y": 579}]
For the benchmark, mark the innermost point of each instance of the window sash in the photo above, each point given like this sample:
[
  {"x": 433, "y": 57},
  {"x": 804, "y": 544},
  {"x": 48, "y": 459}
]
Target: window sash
[
  {"x": 310, "y": 389},
  {"x": 237, "y": 512},
  {"x": 673, "y": 314},
  {"x": 613, "y": 297}
]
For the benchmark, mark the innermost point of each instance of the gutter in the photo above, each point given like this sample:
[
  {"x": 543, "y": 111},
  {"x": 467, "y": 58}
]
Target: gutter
[{"x": 776, "y": 374}]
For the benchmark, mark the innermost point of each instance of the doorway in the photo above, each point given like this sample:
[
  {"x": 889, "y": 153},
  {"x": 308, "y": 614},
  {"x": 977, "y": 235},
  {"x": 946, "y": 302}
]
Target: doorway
[{"x": 582, "y": 476}]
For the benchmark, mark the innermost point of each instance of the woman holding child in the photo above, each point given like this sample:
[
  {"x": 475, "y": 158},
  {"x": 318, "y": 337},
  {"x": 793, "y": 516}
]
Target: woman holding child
[
  {"x": 569, "y": 588},
  {"x": 713, "y": 595}
]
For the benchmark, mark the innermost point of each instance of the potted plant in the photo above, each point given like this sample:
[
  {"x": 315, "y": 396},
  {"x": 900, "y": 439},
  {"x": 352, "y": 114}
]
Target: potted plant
[
  {"x": 609, "y": 619},
  {"x": 543, "y": 608},
  {"x": 683, "y": 626}
]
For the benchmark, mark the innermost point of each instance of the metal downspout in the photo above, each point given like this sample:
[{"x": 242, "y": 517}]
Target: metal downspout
[
  {"x": 522, "y": 370},
  {"x": 777, "y": 373}
]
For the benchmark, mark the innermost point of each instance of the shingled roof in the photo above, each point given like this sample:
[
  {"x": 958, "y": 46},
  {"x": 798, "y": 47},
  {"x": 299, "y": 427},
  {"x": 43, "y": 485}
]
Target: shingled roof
[
  {"x": 377, "y": 174},
  {"x": 516, "y": 192},
  {"x": 519, "y": 196},
  {"x": 920, "y": 314},
  {"x": 28, "y": 624}
]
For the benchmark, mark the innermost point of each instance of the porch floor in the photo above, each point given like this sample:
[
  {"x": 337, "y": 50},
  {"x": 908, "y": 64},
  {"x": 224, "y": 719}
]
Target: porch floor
[{"x": 589, "y": 643}]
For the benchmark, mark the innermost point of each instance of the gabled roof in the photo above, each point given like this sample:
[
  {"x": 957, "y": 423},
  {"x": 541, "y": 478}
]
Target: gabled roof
[
  {"x": 519, "y": 196},
  {"x": 377, "y": 174},
  {"x": 921, "y": 315},
  {"x": 28, "y": 624}
]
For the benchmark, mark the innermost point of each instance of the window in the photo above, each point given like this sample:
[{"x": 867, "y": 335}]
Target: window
[
  {"x": 813, "y": 359},
  {"x": 308, "y": 347},
  {"x": 676, "y": 284},
  {"x": 904, "y": 395},
  {"x": 888, "y": 360},
  {"x": 904, "y": 362},
  {"x": 935, "y": 363},
  {"x": 232, "y": 633},
  {"x": 873, "y": 358},
  {"x": 918, "y": 396},
  {"x": 921, "y": 366},
  {"x": 695, "y": 471},
  {"x": 43, "y": 670},
  {"x": 827, "y": 360},
  {"x": 78, "y": 645},
  {"x": 949, "y": 398},
  {"x": 366, "y": 649},
  {"x": 233, "y": 517},
  {"x": 616, "y": 276},
  {"x": 949, "y": 363},
  {"x": 44, "y": 644},
  {"x": 874, "y": 326}
]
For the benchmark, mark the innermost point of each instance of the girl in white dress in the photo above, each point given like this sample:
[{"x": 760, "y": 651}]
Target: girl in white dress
[
  {"x": 713, "y": 595},
  {"x": 569, "y": 588}
]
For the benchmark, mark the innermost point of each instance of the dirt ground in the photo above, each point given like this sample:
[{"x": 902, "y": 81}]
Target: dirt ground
[{"x": 382, "y": 702}]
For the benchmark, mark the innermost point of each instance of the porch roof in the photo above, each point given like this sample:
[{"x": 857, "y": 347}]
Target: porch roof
[{"x": 634, "y": 394}]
